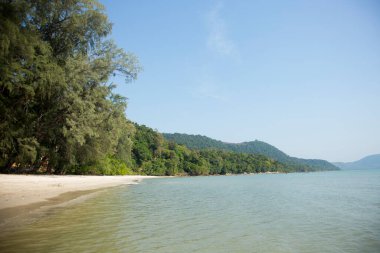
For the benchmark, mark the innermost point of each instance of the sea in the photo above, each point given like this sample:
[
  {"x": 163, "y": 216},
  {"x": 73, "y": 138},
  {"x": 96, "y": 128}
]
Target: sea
[{"x": 337, "y": 211}]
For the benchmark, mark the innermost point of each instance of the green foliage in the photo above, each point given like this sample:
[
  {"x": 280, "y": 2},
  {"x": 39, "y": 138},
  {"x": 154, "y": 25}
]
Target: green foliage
[
  {"x": 56, "y": 102},
  {"x": 198, "y": 142},
  {"x": 27, "y": 150},
  {"x": 155, "y": 156},
  {"x": 106, "y": 166}
]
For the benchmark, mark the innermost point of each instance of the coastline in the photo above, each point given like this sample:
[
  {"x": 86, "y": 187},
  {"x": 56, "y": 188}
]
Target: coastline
[{"x": 21, "y": 195}]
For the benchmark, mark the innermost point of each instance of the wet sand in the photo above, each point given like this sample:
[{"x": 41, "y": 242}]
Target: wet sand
[{"x": 23, "y": 195}]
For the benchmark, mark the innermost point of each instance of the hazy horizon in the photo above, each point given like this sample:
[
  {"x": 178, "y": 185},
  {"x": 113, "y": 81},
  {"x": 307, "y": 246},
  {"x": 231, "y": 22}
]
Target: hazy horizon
[{"x": 301, "y": 75}]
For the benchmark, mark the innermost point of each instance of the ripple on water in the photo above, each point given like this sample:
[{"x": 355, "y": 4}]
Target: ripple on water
[{"x": 313, "y": 212}]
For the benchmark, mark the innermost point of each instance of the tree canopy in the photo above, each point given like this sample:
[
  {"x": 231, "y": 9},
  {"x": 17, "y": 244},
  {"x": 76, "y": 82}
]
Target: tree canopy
[
  {"x": 56, "y": 102},
  {"x": 199, "y": 142}
]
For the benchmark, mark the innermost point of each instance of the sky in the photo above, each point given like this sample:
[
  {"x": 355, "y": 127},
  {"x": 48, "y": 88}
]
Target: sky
[{"x": 303, "y": 76}]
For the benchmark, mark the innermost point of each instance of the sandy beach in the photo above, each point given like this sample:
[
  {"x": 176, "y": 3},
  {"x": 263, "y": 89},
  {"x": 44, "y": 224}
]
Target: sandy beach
[
  {"x": 19, "y": 190},
  {"x": 23, "y": 195}
]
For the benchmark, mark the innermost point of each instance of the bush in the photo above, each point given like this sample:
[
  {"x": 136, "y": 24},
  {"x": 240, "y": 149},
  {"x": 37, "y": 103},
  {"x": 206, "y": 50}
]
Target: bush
[{"x": 106, "y": 166}]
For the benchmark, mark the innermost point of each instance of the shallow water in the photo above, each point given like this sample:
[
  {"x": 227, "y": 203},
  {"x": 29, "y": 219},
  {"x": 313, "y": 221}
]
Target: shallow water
[{"x": 300, "y": 212}]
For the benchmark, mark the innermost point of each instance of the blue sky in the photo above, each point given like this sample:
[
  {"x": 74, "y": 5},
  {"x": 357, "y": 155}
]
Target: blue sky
[{"x": 303, "y": 76}]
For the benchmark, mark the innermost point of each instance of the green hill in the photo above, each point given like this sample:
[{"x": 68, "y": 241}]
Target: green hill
[
  {"x": 153, "y": 155},
  {"x": 252, "y": 147}
]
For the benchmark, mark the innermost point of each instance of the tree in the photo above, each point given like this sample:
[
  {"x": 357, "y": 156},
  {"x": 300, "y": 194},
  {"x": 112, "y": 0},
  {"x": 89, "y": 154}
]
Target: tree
[{"x": 56, "y": 101}]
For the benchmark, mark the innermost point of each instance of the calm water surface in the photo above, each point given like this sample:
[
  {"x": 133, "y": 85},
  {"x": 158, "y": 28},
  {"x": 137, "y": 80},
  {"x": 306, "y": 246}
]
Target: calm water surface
[{"x": 300, "y": 212}]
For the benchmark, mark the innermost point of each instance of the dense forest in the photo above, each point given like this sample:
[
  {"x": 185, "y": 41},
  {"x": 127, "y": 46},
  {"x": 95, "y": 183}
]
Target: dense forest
[
  {"x": 153, "y": 155},
  {"x": 57, "y": 107},
  {"x": 254, "y": 147},
  {"x": 58, "y": 110}
]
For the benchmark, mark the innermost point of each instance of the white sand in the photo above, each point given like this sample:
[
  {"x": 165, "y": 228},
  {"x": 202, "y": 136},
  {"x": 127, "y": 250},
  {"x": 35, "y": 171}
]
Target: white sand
[{"x": 20, "y": 190}]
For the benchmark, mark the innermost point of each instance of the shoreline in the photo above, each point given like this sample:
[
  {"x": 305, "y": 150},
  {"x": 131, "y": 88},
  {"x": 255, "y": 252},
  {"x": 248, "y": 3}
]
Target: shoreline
[{"x": 23, "y": 195}]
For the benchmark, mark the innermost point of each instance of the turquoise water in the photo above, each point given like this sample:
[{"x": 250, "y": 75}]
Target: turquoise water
[{"x": 301, "y": 212}]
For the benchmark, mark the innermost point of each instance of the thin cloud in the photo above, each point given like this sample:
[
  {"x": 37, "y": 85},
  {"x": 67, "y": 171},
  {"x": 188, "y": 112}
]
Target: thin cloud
[
  {"x": 217, "y": 40},
  {"x": 208, "y": 89}
]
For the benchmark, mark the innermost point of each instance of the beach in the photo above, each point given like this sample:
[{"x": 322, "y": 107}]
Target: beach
[{"x": 23, "y": 194}]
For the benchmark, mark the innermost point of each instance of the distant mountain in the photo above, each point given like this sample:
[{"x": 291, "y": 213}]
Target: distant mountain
[
  {"x": 252, "y": 147},
  {"x": 368, "y": 162}
]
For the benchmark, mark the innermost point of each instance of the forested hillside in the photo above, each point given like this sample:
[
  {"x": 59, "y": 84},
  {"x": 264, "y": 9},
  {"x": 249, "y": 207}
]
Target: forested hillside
[
  {"x": 253, "y": 147},
  {"x": 153, "y": 155}
]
